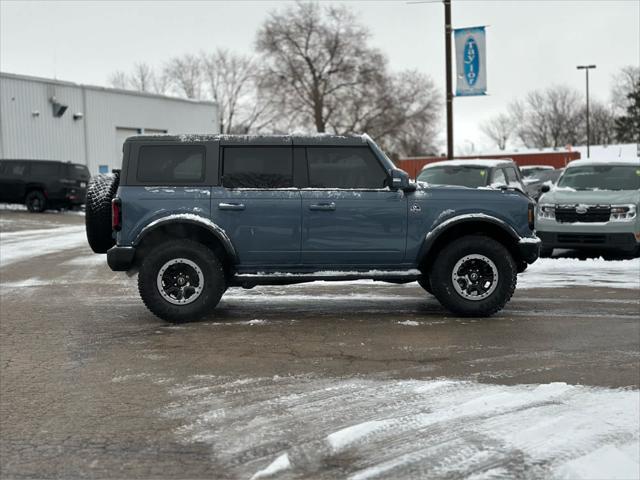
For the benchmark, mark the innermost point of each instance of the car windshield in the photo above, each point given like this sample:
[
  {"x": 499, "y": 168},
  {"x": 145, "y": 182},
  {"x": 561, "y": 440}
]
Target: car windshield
[
  {"x": 78, "y": 172},
  {"x": 534, "y": 172},
  {"x": 464, "y": 176},
  {"x": 601, "y": 177}
]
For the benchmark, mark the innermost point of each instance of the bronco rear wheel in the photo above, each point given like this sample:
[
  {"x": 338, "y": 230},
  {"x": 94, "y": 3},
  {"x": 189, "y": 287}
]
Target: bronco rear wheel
[
  {"x": 181, "y": 280},
  {"x": 474, "y": 276},
  {"x": 100, "y": 192}
]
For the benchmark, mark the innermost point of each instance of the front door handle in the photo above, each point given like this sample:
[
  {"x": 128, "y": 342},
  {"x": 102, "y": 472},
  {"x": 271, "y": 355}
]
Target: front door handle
[
  {"x": 231, "y": 206},
  {"x": 323, "y": 206}
]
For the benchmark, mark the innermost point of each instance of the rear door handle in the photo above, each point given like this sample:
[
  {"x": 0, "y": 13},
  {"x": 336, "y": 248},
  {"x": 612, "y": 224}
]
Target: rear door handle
[
  {"x": 231, "y": 206},
  {"x": 323, "y": 206}
]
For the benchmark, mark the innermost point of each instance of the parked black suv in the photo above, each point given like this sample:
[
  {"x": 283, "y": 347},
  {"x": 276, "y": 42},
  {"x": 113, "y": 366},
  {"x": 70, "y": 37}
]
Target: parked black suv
[{"x": 42, "y": 184}]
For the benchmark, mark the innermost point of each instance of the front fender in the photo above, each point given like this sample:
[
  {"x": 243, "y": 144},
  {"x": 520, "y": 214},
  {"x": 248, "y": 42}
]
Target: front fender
[{"x": 469, "y": 218}]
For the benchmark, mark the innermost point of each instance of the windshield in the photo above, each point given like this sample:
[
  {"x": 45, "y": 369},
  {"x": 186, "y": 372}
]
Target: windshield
[
  {"x": 601, "y": 177},
  {"x": 455, "y": 175},
  {"x": 534, "y": 172}
]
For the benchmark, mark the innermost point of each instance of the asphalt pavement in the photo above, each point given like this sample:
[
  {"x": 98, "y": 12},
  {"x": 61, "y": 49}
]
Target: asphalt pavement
[{"x": 92, "y": 385}]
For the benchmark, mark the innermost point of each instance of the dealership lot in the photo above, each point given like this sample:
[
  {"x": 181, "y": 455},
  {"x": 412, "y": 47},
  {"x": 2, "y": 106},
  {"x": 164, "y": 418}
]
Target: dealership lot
[{"x": 353, "y": 379}]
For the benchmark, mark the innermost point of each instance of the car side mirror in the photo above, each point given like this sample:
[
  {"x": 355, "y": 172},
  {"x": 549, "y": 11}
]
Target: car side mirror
[
  {"x": 399, "y": 180},
  {"x": 545, "y": 188}
]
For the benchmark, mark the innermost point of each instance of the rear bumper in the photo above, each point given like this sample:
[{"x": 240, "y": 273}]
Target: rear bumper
[
  {"x": 120, "y": 259},
  {"x": 621, "y": 242}
]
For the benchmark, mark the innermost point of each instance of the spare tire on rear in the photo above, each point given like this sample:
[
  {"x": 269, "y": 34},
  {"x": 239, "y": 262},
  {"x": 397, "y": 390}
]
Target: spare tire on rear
[{"x": 100, "y": 192}]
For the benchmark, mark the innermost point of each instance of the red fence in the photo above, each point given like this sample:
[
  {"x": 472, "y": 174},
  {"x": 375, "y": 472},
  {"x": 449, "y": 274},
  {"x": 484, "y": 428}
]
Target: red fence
[{"x": 413, "y": 165}]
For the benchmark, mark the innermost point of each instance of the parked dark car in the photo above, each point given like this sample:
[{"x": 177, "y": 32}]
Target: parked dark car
[
  {"x": 198, "y": 214},
  {"x": 473, "y": 174},
  {"x": 42, "y": 184},
  {"x": 534, "y": 184}
]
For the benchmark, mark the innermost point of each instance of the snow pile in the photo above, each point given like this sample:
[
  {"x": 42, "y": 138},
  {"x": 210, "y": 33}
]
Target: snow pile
[
  {"x": 568, "y": 272},
  {"x": 360, "y": 429},
  {"x": 27, "y": 244}
]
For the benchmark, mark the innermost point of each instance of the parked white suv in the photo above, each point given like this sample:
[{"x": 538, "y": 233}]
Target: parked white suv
[{"x": 593, "y": 206}]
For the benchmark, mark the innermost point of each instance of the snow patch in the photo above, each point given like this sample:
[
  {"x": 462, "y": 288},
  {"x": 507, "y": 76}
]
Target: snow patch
[
  {"x": 594, "y": 272},
  {"x": 278, "y": 465},
  {"x": 395, "y": 428},
  {"x": 27, "y": 244},
  {"x": 410, "y": 323}
]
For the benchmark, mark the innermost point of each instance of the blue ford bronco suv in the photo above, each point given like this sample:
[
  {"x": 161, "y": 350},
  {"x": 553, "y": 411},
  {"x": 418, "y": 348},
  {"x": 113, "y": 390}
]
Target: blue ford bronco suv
[{"x": 197, "y": 214}]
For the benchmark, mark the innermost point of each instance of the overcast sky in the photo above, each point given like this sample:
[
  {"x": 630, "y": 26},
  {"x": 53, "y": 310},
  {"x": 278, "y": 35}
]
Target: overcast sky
[{"x": 530, "y": 44}]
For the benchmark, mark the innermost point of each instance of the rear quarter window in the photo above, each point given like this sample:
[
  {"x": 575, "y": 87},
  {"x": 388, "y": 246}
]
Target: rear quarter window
[{"x": 171, "y": 164}]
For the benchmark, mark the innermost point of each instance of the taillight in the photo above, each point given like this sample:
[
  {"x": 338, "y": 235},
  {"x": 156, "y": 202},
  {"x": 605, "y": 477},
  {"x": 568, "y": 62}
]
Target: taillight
[{"x": 116, "y": 214}]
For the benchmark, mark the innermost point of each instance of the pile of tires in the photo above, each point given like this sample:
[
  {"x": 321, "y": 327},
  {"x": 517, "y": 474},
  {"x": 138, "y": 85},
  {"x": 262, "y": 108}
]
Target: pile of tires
[{"x": 100, "y": 192}]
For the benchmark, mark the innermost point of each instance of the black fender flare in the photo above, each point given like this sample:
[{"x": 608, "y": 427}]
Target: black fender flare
[
  {"x": 190, "y": 219},
  {"x": 432, "y": 237}
]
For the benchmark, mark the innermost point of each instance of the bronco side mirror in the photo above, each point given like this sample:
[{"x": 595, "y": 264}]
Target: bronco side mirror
[
  {"x": 545, "y": 188},
  {"x": 399, "y": 180}
]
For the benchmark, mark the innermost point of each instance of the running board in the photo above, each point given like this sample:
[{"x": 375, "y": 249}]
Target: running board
[{"x": 249, "y": 280}]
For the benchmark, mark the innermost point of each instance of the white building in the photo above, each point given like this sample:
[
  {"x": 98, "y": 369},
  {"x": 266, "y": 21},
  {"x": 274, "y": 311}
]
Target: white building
[{"x": 44, "y": 119}]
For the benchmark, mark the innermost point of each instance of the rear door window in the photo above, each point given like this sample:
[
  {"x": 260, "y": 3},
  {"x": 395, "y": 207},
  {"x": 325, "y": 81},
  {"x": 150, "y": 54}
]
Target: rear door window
[
  {"x": 45, "y": 169},
  {"x": 78, "y": 172},
  {"x": 257, "y": 167},
  {"x": 345, "y": 168},
  {"x": 171, "y": 164}
]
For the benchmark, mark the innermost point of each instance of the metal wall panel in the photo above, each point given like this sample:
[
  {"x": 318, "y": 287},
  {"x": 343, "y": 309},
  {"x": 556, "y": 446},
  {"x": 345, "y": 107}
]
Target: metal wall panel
[{"x": 93, "y": 139}]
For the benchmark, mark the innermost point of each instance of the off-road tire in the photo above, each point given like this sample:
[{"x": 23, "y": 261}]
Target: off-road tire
[
  {"x": 100, "y": 192},
  {"x": 442, "y": 282},
  {"x": 35, "y": 201},
  {"x": 204, "y": 258},
  {"x": 425, "y": 284}
]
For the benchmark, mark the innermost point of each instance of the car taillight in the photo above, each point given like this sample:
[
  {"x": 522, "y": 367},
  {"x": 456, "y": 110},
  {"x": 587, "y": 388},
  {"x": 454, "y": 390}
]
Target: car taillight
[
  {"x": 531, "y": 216},
  {"x": 116, "y": 214}
]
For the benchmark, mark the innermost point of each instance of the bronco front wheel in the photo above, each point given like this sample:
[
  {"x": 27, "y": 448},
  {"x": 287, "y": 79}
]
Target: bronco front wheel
[
  {"x": 474, "y": 276},
  {"x": 181, "y": 280}
]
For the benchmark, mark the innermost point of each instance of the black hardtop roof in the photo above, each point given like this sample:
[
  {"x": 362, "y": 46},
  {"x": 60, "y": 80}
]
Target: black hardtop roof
[{"x": 223, "y": 139}]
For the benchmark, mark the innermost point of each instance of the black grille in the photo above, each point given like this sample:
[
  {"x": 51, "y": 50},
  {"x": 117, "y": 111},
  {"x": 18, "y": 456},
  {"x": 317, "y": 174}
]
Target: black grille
[
  {"x": 566, "y": 214},
  {"x": 581, "y": 238}
]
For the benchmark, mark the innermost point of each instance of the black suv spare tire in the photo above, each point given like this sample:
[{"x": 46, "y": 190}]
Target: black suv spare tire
[{"x": 100, "y": 192}]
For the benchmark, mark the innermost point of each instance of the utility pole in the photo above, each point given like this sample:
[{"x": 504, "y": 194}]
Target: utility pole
[
  {"x": 586, "y": 68},
  {"x": 447, "y": 48}
]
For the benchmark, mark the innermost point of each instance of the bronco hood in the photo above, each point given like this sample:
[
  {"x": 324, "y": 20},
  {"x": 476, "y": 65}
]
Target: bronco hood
[{"x": 590, "y": 197}]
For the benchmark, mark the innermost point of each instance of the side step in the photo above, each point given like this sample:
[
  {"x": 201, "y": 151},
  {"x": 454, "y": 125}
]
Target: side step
[{"x": 249, "y": 280}]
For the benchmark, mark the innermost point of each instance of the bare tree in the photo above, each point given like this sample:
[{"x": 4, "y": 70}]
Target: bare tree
[
  {"x": 602, "y": 128},
  {"x": 549, "y": 118},
  {"x": 499, "y": 129},
  {"x": 233, "y": 82},
  {"x": 314, "y": 54},
  {"x": 119, "y": 79},
  {"x": 623, "y": 84},
  {"x": 142, "y": 77},
  {"x": 184, "y": 74}
]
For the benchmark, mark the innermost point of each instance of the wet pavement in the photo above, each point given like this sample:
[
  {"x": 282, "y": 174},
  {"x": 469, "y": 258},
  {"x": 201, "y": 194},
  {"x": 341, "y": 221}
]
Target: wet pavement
[{"x": 93, "y": 385}]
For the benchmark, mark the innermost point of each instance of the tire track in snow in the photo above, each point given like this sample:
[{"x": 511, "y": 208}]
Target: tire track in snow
[{"x": 360, "y": 429}]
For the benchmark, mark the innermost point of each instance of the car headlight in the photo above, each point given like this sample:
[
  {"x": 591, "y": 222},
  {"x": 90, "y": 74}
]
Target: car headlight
[
  {"x": 547, "y": 211},
  {"x": 622, "y": 213}
]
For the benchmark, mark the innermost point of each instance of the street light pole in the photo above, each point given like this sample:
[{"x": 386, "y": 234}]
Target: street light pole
[
  {"x": 447, "y": 48},
  {"x": 586, "y": 68}
]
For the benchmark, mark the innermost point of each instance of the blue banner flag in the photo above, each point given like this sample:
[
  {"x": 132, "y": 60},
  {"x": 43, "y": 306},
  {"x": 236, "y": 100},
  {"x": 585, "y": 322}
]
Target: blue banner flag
[{"x": 471, "y": 61}]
